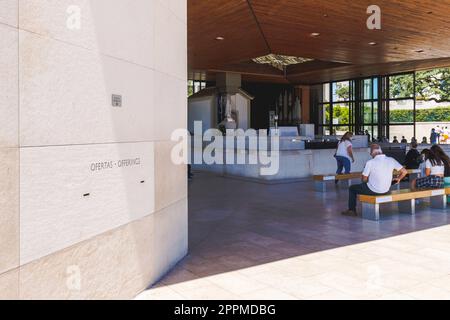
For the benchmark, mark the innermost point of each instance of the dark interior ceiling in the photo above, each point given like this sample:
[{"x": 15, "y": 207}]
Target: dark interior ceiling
[{"x": 415, "y": 34}]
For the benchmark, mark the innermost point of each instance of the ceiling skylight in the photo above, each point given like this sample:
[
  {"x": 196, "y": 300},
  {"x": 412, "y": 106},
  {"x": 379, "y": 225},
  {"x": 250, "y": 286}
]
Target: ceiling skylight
[{"x": 279, "y": 61}]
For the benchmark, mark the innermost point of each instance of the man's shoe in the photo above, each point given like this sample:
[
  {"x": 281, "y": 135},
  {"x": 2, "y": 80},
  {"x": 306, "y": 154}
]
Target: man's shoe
[{"x": 350, "y": 213}]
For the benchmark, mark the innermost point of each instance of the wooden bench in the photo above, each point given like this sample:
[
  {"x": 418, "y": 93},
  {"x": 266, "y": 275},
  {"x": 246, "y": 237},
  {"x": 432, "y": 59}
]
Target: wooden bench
[
  {"x": 406, "y": 200},
  {"x": 412, "y": 173},
  {"x": 320, "y": 181}
]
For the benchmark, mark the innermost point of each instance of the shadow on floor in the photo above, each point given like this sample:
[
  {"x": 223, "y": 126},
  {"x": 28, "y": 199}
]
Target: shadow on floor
[{"x": 235, "y": 224}]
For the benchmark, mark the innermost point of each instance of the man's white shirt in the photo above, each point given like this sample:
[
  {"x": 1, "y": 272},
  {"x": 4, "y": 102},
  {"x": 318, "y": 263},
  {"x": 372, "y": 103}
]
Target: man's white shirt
[{"x": 380, "y": 172}]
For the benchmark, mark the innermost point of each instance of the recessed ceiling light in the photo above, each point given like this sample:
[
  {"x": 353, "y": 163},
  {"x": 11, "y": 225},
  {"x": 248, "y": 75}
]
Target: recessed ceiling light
[
  {"x": 315, "y": 34},
  {"x": 220, "y": 38},
  {"x": 372, "y": 43}
]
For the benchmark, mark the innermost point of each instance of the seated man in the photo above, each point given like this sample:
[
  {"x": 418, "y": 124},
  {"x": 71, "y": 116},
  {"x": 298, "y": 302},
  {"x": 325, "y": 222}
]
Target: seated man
[
  {"x": 413, "y": 158},
  {"x": 377, "y": 178}
]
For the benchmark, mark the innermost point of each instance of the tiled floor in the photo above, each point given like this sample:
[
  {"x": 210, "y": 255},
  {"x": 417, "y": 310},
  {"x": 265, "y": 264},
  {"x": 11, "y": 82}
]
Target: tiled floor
[{"x": 256, "y": 241}]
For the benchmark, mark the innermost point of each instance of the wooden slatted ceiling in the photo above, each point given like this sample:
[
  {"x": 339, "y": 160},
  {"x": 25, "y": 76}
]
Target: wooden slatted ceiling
[
  {"x": 406, "y": 26},
  {"x": 256, "y": 27},
  {"x": 359, "y": 71},
  {"x": 231, "y": 19}
]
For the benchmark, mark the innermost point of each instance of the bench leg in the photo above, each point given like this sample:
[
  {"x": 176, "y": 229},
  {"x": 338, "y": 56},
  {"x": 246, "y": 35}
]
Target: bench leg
[
  {"x": 439, "y": 202},
  {"x": 371, "y": 211},
  {"x": 408, "y": 206},
  {"x": 320, "y": 186}
]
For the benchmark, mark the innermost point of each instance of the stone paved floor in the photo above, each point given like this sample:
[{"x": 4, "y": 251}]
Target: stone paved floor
[{"x": 256, "y": 241}]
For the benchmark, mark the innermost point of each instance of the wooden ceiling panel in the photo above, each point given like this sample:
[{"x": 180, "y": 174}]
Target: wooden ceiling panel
[
  {"x": 231, "y": 19},
  {"x": 253, "y": 28},
  {"x": 359, "y": 71},
  {"x": 406, "y": 26}
]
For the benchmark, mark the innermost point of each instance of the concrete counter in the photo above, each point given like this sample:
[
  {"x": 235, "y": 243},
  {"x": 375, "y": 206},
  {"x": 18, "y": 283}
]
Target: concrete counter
[{"x": 293, "y": 164}]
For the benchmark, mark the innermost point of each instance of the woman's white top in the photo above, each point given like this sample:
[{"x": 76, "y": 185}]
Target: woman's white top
[
  {"x": 342, "y": 150},
  {"x": 435, "y": 170}
]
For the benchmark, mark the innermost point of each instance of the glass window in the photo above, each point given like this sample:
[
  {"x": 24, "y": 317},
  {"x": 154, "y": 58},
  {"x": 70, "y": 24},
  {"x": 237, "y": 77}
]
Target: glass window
[
  {"x": 326, "y": 93},
  {"x": 197, "y": 86},
  {"x": 341, "y": 91},
  {"x": 433, "y": 85},
  {"x": 190, "y": 88},
  {"x": 375, "y": 89},
  {"x": 324, "y": 130},
  {"x": 325, "y": 113},
  {"x": 375, "y": 112},
  {"x": 401, "y": 132},
  {"x": 367, "y": 89},
  {"x": 432, "y": 111},
  {"x": 433, "y": 103},
  {"x": 367, "y": 112},
  {"x": 401, "y": 86},
  {"x": 340, "y": 130},
  {"x": 401, "y": 111},
  {"x": 341, "y": 114},
  {"x": 373, "y": 131}
]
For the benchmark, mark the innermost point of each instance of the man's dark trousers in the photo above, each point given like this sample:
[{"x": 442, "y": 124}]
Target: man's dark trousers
[{"x": 356, "y": 190}]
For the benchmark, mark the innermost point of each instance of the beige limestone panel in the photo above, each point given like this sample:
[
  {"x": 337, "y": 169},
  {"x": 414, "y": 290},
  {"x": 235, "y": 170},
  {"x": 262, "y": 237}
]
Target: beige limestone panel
[
  {"x": 9, "y": 209},
  {"x": 8, "y": 12},
  {"x": 118, "y": 264},
  {"x": 9, "y": 85},
  {"x": 170, "y": 43},
  {"x": 66, "y": 95},
  {"x": 170, "y": 106},
  {"x": 72, "y": 193},
  {"x": 178, "y": 7},
  {"x": 170, "y": 178},
  {"x": 118, "y": 28},
  {"x": 170, "y": 243},
  {"x": 9, "y": 285},
  {"x": 113, "y": 265}
]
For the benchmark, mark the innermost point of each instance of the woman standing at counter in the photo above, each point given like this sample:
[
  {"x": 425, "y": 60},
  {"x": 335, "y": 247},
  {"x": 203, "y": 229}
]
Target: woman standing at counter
[{"x": 344, "y": 154}]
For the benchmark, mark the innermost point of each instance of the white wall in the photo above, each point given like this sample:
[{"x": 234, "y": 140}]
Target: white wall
[
  {"x": 243, "y": 108},
  {"x": 201, "y": 109},
  {"x": 134, "y": 48}
]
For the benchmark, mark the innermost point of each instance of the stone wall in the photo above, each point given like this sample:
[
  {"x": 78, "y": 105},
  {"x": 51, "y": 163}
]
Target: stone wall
[{"x": 102, "y": 209}]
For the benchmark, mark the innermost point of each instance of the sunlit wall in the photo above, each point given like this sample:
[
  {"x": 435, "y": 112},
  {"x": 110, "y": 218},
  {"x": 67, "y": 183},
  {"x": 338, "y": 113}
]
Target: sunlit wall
[{"x": 90, "y": 92}]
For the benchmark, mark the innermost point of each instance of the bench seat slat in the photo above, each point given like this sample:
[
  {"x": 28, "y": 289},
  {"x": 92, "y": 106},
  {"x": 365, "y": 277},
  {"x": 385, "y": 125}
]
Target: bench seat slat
[
  {"x": 403, "y": 195},
  {"x": 328, "y": 177},
  {"x": 353, "y": 175}
]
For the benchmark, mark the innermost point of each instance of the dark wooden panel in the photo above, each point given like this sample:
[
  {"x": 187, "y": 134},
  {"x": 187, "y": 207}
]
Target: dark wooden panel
[
  {"x": 350, "y": 72},
  {"x": 406, "y": 27},
  {"x": 257, "y": 27},
  {"x": 231, "y": 19}
]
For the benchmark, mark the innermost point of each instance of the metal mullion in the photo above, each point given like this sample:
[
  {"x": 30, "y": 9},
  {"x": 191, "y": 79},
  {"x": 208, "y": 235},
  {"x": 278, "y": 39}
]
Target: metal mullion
[
  {"x": 331, "y": 108},
  {"x": 414, "y": 107}
]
